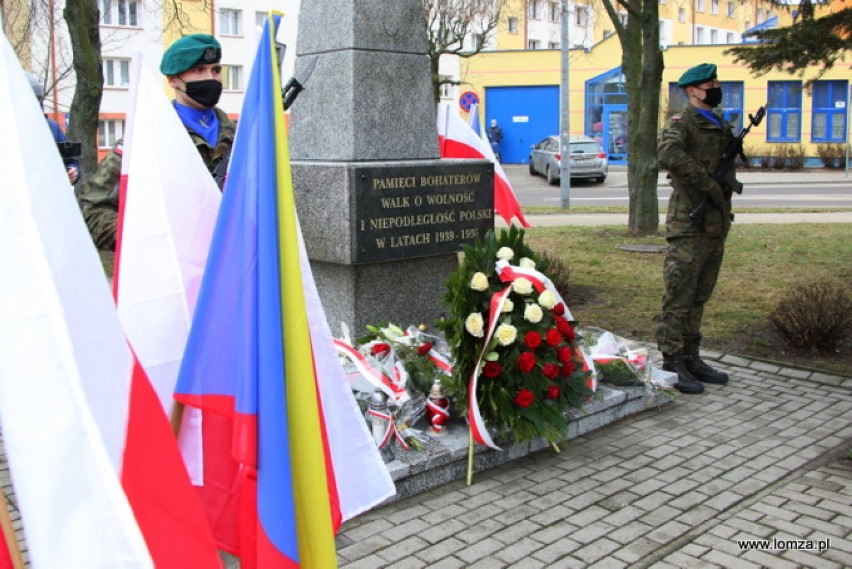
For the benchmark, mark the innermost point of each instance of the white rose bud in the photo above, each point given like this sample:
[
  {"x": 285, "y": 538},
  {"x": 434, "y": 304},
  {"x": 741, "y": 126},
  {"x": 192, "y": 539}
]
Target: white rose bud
[
  {"x": 474, "y": 324},
  {"x": 479, "y": 282},
  {"x": 492, "y": 357},
  {"x": 505, "y": 253},
  {"x": 506, "y": 334},
  {"x": 533, "y": 313},
  {"x": 526, "y": 263},
  {"x": 522, "y": 286},
  {"x": 508, "y": 305},
  {"x": 547, "y": 299}
]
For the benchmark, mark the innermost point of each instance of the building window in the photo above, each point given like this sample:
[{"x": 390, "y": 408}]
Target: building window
[
  {"x": 116, "y": 72},
  {"x": 699, "y": 5},
  {"x": 232, "y": 76},
  {"x": 732, "y": 103},
  {"x": 732, "y": 9},
  {"x": 714, "y": 36},
  {"x": 230, "y": 22},
  {"x": 759, "y": 15},
  {"x": 681, "y": 15},
  {"x": 259, "y": 20},
  {"x": 553, "y": 45},
  {"x": 533, "y": 11},
  {"x": 699, "y": 35},
  {"x": 446, "y": 89},
  {"x": 119, "y": 13},
  {"x": 581, "y": 16},
  {"x": 533, "y": 44},
  {"x": 513, "y": 25},
  {"x": 829, "y": 111},
  {"x": 784, "y": 111},
  {"x": 109, "y": 131},
  {"x": 623, "y": 18},
  {"x": 714, "y": 6},
  {"x": 730, "y": 38},
  {"x": 554, "y": 12}
]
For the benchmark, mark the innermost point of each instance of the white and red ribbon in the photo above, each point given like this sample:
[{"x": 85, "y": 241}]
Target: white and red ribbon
[
  {"x": 509, "y": 273},
  {"x": 439, "y": 415},
  {"x": 390, "y": 431},
  {"x": 393, "y": 387}
]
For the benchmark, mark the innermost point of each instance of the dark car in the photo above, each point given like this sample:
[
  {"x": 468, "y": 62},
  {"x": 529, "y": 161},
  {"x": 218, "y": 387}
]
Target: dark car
[{"x": 588, "y": 161}]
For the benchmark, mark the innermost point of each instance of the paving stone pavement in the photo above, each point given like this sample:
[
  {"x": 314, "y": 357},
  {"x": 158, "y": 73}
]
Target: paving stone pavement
[{"x": 765, "y": 457}]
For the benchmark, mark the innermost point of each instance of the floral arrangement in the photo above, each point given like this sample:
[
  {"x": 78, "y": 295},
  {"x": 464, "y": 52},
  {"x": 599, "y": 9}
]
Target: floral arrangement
[{"x": 517, "y": 366}]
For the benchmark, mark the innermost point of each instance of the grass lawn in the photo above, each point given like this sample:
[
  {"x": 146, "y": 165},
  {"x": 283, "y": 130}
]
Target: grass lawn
[{"x": 620, "y": 291}]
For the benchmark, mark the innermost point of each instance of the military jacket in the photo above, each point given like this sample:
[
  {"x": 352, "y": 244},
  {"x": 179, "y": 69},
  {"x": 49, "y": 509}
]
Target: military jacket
[
  {"x": 690, "y": 147},
  {"x": 99, "y": 193}
]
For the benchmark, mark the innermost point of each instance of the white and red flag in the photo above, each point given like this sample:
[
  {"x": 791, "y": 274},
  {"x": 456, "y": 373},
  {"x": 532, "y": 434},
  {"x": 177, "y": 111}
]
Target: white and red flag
[
  {"x": 457, "y": 140},
  {"x": 97, "y": 473}
]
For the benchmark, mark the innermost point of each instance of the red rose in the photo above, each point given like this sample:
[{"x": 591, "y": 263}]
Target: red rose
[
  {"x": 568, "y": 369},
  {"x": 552, "y": 392},
  {"x": 559, "y": 309},
  {"x": 524, "y": 398},
  {"x": 424, "y": 348},
  {"x": 381, "y": 349},
  {"x": 491, "y": 369},
  {"x": 550, "y": 371},
  {"x": 532, "y": 339},
  {"x": 526, "y": 362},
  {"x": 564, "y": 354},
  {"x": 565, "y": 328},
  {"x": 554, "y": 338}
]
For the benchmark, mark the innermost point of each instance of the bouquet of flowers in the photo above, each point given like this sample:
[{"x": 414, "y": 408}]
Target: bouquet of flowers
[{"x": 517, "y": 368}]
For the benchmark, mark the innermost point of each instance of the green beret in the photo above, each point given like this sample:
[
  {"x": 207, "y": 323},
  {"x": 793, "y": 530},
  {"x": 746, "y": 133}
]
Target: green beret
[
  {"x": 189, "y": 51},
  {"x": 697, "y": 75}
]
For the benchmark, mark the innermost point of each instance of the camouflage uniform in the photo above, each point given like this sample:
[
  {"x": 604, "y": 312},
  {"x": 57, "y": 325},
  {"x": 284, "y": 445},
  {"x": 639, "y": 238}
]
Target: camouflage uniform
[
  {"x": 99, "y": 194},
  {"x": 690, "y": 147}
]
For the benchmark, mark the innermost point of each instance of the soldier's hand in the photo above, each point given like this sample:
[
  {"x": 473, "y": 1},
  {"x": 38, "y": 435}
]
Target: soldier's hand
[{"x": 73, "y": 175}]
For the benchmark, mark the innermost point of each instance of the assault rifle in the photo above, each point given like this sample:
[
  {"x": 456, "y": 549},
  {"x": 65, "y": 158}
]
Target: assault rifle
[
  {"x": 724, "y": 173},
  {"x": 289, "y": 93}
]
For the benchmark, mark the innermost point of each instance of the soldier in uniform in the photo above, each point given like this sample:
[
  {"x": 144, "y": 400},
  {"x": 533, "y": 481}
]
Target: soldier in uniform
[
  {"x": 690, "y": 147},
  {"x": 191, "y": 65}
]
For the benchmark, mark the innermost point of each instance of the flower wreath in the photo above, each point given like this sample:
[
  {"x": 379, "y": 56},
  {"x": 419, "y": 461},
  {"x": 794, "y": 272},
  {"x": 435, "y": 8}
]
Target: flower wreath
[{"x": 517, "y": 368}]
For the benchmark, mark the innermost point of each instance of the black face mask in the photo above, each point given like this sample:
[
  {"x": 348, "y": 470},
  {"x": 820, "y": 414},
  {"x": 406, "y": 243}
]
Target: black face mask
[
  {"x": 205, "y": 93},
  {"x": 712, "y": 96}
]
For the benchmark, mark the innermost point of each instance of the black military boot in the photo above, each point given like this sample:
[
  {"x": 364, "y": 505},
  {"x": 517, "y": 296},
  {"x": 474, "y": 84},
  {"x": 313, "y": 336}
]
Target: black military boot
[
  {"x": 696, "y": 366},
  {"x": 686, "y": 383}
]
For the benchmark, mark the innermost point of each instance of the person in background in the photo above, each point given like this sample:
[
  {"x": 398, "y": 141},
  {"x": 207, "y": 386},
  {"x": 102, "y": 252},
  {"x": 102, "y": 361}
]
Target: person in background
[
  {"x": 690, "y": 147},
  {"x": 495, "y": 135},
  {"x": 72, "y": 165},
  {"x": 191, "y": 66}
]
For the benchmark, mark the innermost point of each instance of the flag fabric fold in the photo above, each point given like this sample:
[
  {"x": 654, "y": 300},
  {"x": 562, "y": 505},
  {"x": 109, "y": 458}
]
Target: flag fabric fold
[
  {"x": 473, "y": 120},
  {"x": 456, "y": 139},
  {"x": 260, "y": 354},
  {"x": 89, "y": 446}
]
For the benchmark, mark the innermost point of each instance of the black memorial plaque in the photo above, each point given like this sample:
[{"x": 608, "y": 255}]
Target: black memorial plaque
[{"x": 416, "y": 211}]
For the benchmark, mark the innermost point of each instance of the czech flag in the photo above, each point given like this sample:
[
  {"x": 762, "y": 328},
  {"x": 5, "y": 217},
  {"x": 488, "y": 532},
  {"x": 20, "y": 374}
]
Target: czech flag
[{"x": 255, "y": 356}]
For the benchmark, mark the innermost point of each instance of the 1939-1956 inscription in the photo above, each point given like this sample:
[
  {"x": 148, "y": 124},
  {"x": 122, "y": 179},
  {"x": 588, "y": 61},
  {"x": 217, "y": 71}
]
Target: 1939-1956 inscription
[{"x": 414, "y": 211}]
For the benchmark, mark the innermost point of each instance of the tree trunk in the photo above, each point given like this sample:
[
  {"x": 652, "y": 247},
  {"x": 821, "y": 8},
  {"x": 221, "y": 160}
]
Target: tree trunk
[{"x": 84, "y": 32}]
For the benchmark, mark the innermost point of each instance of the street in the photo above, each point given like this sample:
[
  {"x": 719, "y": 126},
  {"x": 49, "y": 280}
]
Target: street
[{"x": 763, "y": 189}]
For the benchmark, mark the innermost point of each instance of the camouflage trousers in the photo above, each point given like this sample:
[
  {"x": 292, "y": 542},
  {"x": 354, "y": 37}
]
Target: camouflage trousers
[{"x": 690, "y": 272}]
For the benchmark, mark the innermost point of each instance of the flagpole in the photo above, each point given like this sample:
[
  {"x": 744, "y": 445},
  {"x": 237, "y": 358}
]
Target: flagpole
[
  {"x": 9, "y": 535},
  {"x": 470, "y": 445}
]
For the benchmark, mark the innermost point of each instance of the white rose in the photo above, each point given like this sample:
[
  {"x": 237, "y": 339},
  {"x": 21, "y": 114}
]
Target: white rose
[
  {"x": 508, "y": 305},
  {"x": 547, "y": 299},
  {"x": 522, "y": 286},
  {"x": 506, "y": 334},
  {"x": 505, "y": 253},
  {"x": 526, "y": 263},
  {"x": 533, "y": 313},
  {"x": 474, "y": 324},
  {"x": 479, "y": 281}
]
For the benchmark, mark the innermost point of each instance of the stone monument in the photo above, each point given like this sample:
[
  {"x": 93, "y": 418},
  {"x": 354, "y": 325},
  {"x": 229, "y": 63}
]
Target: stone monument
[{"x": 383, "y": 217}]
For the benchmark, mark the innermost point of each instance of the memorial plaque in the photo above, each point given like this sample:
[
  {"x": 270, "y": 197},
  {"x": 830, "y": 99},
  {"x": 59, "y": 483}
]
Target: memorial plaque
[{"x": 416, "y": 211}]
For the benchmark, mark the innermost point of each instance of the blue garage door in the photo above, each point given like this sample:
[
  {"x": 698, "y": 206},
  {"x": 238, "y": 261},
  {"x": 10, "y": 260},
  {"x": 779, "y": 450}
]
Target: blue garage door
[{"x": 526, "y": 115}]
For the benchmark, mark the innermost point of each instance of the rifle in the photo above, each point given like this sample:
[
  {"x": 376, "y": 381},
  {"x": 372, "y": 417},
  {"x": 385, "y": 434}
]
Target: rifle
[
  {"x": 724, "y": 173},
  {"x": 289, "y": 93},
  {"x": 69, "y": 150}
]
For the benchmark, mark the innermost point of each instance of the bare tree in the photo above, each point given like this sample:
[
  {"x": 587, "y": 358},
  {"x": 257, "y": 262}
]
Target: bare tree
[
  {"x": 458, "y": 27},
  {"x": 642, "y": 65}
]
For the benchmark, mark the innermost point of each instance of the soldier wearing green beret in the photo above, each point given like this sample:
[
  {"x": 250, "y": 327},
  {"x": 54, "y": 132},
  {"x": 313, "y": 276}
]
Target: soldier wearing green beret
[
  {"x": 191, "y": 66},
  {"x": 690, "y": 147}
]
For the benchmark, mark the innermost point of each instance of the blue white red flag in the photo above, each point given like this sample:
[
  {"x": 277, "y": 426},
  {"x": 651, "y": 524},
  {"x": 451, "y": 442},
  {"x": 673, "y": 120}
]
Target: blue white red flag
[
  {"x": 473, "y": 120},
  {"x": 255, "y": 356}
]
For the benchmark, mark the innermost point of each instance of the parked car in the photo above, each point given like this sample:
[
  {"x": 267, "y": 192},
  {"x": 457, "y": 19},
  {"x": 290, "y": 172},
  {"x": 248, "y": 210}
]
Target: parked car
[{"x": 588, "y": 160}]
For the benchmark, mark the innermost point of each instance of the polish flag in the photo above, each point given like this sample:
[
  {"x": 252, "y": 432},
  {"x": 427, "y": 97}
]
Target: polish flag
[
  {"x": 457, "y": 140},
  {"x": 97, "y": 473}
]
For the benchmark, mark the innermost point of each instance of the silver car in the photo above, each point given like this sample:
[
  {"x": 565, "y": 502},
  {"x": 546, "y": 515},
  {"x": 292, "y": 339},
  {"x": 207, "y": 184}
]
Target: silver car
[{"x": 588, "y": 161}]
